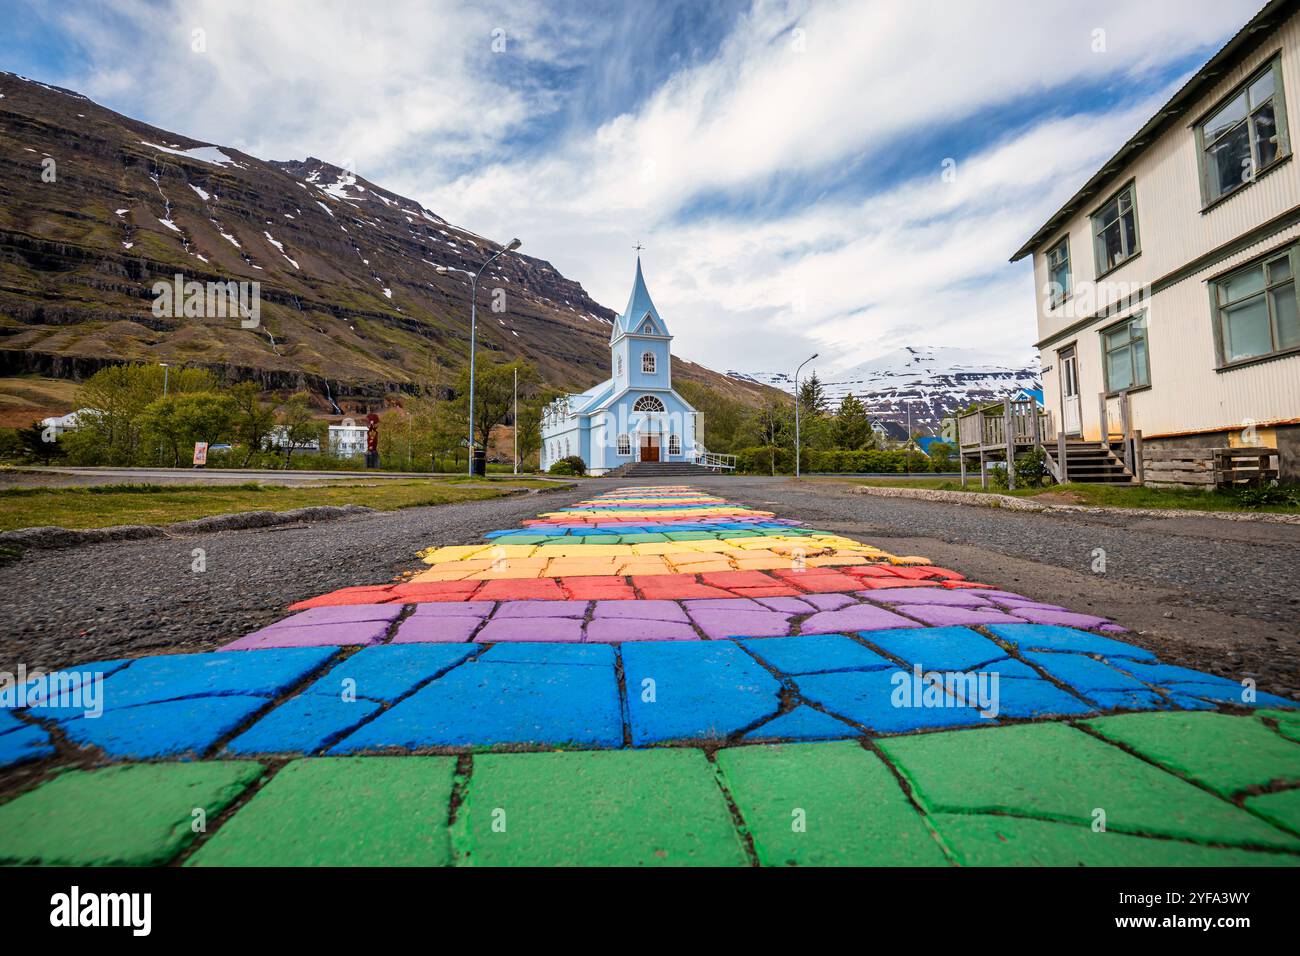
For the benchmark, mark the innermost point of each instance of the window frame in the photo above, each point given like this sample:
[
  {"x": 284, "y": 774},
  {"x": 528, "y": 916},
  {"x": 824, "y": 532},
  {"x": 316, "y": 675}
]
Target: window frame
[
  {"x": 1126, "y": 322},
  {"x": 674, "y": 444},
  {"x": 650, "y": 411},
  {"x": 1292, "y": 252},
  {"x": 619, "y": 362},
  {"x": 1063, "y": 243},
  {"x": 1204, "y": 172},
  {"x": 1129, "y": 187},
  {"x": 623, "y": 444},
  {"x": 648, "y": 363}
]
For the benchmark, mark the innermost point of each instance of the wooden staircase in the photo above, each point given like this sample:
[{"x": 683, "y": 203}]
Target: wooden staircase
[{"x": 1090, "y": 462}]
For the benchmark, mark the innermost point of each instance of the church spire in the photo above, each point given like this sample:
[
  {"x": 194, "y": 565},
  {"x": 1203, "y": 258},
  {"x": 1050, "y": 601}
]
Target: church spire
[{"x": 639, "y": 304}]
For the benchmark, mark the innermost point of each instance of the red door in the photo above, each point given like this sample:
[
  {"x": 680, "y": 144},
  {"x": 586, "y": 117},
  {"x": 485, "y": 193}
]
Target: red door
[{"x": 649, "y": 447}]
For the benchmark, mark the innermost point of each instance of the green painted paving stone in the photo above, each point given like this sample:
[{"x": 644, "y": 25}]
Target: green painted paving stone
[
  {"x": 987, "y": 840},
  {"x": 854, "y": 813},
  {"x": 1282, "y": 808},
  {"x": 1225, "y": 753},
  {"x": 342, "y": 811},
  {"x": 600, "y": 808},
  {"x": 133, "y": 814},
  {"x": 1288, "y": 722},
  {"x": 1055, "y": 771}
]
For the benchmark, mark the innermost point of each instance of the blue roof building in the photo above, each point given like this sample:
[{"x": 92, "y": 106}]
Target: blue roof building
[{"x": 634, "y": 415}]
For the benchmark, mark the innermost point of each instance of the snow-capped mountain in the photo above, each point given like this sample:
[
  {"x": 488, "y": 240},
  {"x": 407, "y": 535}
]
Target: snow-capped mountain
[{"x": 934, "y": 380}]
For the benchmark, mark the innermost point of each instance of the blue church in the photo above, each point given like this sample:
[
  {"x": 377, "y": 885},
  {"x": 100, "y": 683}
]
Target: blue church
[{"x": 634, "y": 415}]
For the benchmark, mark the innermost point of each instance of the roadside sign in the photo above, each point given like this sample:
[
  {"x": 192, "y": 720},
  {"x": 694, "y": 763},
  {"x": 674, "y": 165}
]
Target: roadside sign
[{"x": 200, "y": 454}]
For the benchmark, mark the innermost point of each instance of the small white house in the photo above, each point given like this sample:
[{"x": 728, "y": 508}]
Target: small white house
[
  {"x": 58, "y": 424},
  {"x": 347, "y": 441}
]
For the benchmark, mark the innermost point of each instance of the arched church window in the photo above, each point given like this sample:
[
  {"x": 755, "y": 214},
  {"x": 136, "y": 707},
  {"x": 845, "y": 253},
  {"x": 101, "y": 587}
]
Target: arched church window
[
  {"x": 674, "y": 444},
  {"x": 625, "y": 444},
  {"x": 648, "y": 403},
  {"x": 648, "y": 362},
  {"x": 566, "y": 447}
]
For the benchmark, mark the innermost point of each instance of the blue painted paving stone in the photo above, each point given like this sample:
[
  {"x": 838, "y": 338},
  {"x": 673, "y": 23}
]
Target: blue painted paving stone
[
  {"x": 815, "y": 653},
  {"x": 1231, "y": 695},
  {"x": 1128, "y": 700},
  {"x": 869, "y": 698},
  {"x": 304, "y": 724},
  {"x": 167, "y": 729},
  {"x": 1018, "y": 697},
  {"x": 937, "y": 648},
  {"x": 803, "y": 723},
  {"x": 388, "y": 671},
  {"x": 24, "y": 744},
  {"x": 486, "y": 704},
  {"x": 68, "y": 680},
  {"x": 1054, "y": 637},
  {"x": 524, "y": 652},
  {"x": 694, "y": 691},
  {"x": 1083, "y": 673},
  {"x": 171, "y": 677},
  {"x": 1163, "y": 674},
  {"x": 1057, "y": 772}
]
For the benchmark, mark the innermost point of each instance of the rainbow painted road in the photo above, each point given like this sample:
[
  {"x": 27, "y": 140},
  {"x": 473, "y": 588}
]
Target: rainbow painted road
[{"x": 655, "y": 676}]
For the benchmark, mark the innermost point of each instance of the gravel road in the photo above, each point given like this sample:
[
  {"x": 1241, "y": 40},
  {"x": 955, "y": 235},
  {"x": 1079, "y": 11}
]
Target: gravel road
[{"x": 1200, "y": 591}]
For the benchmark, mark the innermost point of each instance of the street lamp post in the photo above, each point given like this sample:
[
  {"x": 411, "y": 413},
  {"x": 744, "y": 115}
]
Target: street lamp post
[
  {"x": 165, "y": 369},
  {"x": 515, "y": 429},
  {"x": 473, "y": 331},
  {"x": 796, "y": 410}
]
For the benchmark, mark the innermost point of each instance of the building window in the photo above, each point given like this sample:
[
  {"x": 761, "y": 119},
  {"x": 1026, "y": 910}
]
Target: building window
[
  {"x": 1256, "y": 310},
  {"x": 648, "y": 328},
  {"x": 1245, "y": 136},
  {"x": 648, "y": 362},
  {"x": 1115, "y": 230},
  {"x": 620, "y": 365},
  {"x": 625, "y": 444},
  {"x": 1125, "y": 352},
  {"x": 648, "y": 403},
  {"x": 674, "y": 444},
  {"x": 1058, "y": 273}
]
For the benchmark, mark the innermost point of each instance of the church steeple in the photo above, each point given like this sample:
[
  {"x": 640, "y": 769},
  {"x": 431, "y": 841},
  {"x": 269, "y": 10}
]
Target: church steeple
[{"x": 639, "y": 307}]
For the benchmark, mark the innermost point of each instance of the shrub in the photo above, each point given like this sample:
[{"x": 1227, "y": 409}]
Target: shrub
[{"x": 570, "y": 466}]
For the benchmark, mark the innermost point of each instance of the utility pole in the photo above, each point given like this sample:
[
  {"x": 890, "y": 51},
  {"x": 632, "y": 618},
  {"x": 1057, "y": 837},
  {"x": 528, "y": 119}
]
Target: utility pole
[
  {"x": 515, "y": 430},
  {"x": 796, "y": 410}
]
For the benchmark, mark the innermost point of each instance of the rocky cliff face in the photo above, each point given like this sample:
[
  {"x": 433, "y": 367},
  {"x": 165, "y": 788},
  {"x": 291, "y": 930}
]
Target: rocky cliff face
[{"x": 363, "y": 292}]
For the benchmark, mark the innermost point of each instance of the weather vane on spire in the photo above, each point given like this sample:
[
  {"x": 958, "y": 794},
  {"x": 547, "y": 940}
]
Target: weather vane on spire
[{"x": 639, "y": 247}]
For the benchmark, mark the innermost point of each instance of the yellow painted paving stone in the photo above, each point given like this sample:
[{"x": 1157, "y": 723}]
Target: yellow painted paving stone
[
  {"x": 835, "y": 560},
  {"x": 512, "y": 550},
  {"x": 643, "y": 566},
  {"x": 506, "y": 574},
  {"x": 583, "y": 550},
  {"x": 656, "y": 547},
  {"x": 908, "y": 560},
  {"x": 763, "y": 564},
  {"x": 453, "y": 552},
  {"x": 443, "y": 574}
]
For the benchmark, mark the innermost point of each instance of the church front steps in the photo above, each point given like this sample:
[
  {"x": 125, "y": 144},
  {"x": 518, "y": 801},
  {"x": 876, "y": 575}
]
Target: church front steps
[{"x": 660, "y": 469}]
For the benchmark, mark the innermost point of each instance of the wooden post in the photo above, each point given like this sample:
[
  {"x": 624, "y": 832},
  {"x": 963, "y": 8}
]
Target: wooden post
[
  {"x": 961, "y": 459},
  {"x": 984, "y": 472},
  {"x": 1124, "y": 425},
  {"x": 1009, "y": 433},
  {"x": 1105, "y": 421},
  {"x": 1138, "y": 472},
  {"x": 1062, "y": 459}
]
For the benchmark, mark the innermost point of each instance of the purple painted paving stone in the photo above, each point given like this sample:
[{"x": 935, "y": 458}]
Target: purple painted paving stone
[
  {"x": 787, "y": 605},
  {"x": 1066, "y": 618},
  {"x": 1005, "y": 595},
  {"x": 531, "y": 629},
  {"x": 1015, "y": 606},
  {"x": 859, "y": 617},
  {"x": 936, "y": 596},
  {"x": 613, "y": 630},
  {"x": 358, "y": 632},
  {"x": 828, "y": 602},
  {"x": 436, "y": 630},
  {"x": 342, "y": 614},
  {"x": 541, "y": 609},
  {"x": 720, "y": 625},
  {"x": 940, "y": 616},
  {"x": 640, "y": 610},
  {"x": 1113, "y": 628},
  {"x": 454, "y": 609},
  {"x": 722, "y": 604}
]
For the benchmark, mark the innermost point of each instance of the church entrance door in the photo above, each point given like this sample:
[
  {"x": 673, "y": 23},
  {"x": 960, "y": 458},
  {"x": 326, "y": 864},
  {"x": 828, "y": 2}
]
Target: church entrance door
[{"x": 649, "y": 448}]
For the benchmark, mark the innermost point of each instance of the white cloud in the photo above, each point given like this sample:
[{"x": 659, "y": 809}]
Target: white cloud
[{"x": 413, "y": 95}]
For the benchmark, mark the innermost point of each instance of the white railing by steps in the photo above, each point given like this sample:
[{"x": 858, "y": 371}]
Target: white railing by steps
[{"x": 710, "y": 460}]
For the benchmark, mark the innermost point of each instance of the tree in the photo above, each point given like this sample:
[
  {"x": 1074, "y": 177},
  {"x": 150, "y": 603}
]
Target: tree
[
  {"x": 494, "y": 391},
  {"x": 774, "y": 425},
  {"x": 253, "y": 419},
  {"x": 112, "y": 432},
  {"x": 812, "y": 396},
  {"x": 40, "y": 443},
  {"x": 180, "y": 421},
  {"x": 852, "y": 426},
  {"x": 299, "y": 426}
]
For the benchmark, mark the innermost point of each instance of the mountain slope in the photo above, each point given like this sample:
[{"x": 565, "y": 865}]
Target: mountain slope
[
  {"x": 935, "y": 380},
  {"x": 363, "y": 292}
]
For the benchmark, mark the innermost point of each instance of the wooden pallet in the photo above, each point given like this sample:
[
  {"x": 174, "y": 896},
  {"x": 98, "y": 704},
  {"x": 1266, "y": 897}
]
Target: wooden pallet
[{"x": 1208, "y": 468}]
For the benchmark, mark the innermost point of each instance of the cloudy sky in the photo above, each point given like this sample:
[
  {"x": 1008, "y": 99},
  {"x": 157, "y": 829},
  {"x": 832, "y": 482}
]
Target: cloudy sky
[{"x": 782, "y": 162}]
